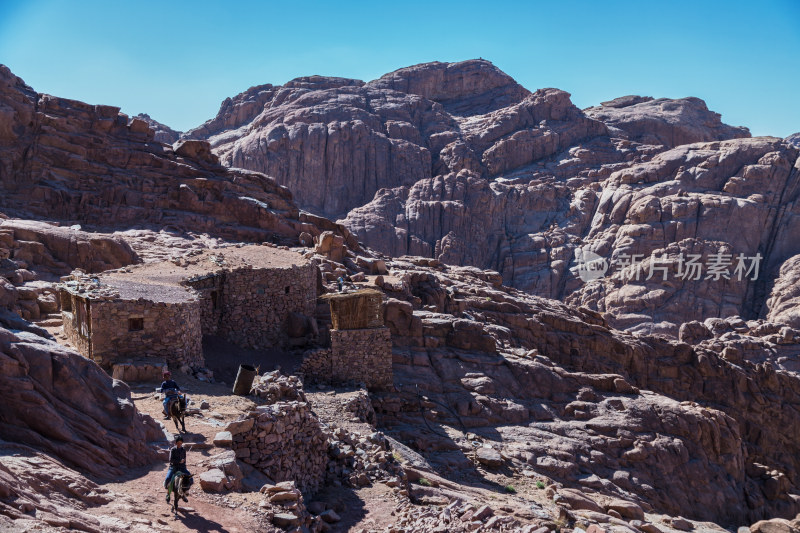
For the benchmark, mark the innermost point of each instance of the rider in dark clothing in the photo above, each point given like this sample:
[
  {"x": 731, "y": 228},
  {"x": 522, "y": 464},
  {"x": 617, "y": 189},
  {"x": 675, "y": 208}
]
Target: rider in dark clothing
[
  {"x": 177, "y": 462},
  {"x": 168, "y": 386}
]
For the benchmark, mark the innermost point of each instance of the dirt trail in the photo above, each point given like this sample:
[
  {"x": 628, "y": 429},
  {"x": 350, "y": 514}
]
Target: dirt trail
[{"x": 143, "y": 502}]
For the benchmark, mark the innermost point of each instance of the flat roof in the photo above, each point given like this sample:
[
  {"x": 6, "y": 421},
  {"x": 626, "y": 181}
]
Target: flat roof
[{"x": 161, "y": 281}]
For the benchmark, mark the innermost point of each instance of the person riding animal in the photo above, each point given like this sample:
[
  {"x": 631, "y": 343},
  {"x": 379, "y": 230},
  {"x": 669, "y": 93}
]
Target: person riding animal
[
  {"x": 170, "y": 389},
  {"x": 177, "y": 463}
]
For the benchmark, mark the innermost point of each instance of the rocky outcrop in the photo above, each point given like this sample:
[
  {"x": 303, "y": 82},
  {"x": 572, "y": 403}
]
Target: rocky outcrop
[
  {"x": 673, "y": 216},
  {"x": 664, "y": 121},
  {"x": 465, "y": 88},
  {"x": 334, "y": 146},
  {"x": 457, "y": 162},
  {"x": 63, "y": 248},
  {"x": 34, "y": 254},
  {"x": 161, "y": 132},
  {"x": 73, "y": 162},
  {"x": 57, "y": 402},
  {"x": 39, "y": 493},
  {"x": 566, "y": 397},
  {"x": 784, "y": 301}
]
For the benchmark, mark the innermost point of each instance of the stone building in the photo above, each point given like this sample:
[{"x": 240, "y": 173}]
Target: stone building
[
  {"x": 243, "y": 294},
  {"x": 361, "y": 346}
]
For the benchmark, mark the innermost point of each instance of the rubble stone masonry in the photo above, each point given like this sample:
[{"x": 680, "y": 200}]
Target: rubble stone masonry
[
  {"x": 355, "y": 356},
  {"x": 256, "y": 303},
  {"x": 284, "y": 441},
  {"x": 163, "y": 310},
  {"x": 120, "y": 329}
]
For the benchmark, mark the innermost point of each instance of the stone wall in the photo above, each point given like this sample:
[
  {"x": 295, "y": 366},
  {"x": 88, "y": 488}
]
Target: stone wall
[
  {"x": 209, "y": 292},
  {"x": 284, "y": 441},
  {"x": 256, "y": 303},
  {"x": 103, "y": 330},
  {"x": 250, "y": 307},
  {"x": 74, "y": 312},
  {"x": 355, "y": 356}
]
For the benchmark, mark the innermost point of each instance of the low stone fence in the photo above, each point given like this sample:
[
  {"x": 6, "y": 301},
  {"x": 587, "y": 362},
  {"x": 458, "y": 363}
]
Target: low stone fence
[{"x": 284, "y": 441}]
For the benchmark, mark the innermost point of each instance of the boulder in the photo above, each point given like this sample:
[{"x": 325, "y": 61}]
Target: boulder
[
  {"x": 223, "y": 439},
  {"x": 330, "y": 516},
  {"x": 213, "y": 480},
  {"x": 240, "y": 426},
  {"x": 285, "y": 520},
  {"x": 775, "y": 525},
  {"x": 626, "y": 509},
  {"x": 195, "y": 149},
  {"x": 576, "y": 500},
  {"x": 489, "y": 457}
]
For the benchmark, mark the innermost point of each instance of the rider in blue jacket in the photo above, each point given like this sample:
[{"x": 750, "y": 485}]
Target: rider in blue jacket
[{"x": 169, "y": 388}]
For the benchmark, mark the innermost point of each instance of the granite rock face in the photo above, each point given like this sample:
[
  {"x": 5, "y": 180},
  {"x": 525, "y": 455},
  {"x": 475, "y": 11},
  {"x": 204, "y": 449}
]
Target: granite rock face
[
  {"x": 74, "y": 162},
  {"x": 663, "y": 121},
  {"x": 458, "y": 162},
  {"x": 681, "y": 427},
  {"x": 58, "y": 402},
  {"x": 334, "y": 142},
  {"x": 730, "y": 205},
  {"x": 465, "y": 88}
]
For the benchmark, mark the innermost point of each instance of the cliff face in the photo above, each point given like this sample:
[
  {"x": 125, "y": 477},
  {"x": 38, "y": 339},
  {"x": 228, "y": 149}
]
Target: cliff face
[
  {"x": 70, "y": 161},
  {"x": 643, "y": 214},
  {"x": 458, "y": 162},
  {"x": 58, "y": 402},
  {"x": 690, "y": 427}
]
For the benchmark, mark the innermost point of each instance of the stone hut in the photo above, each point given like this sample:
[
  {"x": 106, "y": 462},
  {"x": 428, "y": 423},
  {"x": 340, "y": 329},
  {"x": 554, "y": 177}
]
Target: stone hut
[
  {"x": 243, "y": 293},
  {"x": 361, "y": 346}
]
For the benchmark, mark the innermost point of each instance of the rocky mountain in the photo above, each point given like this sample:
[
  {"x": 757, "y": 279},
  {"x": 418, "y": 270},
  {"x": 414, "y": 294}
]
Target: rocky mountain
[
  {"x": 682, "y": 425},
  {"x": 162, "y": 132},
  {"x": 456, "y": 161},
  {"x": 522, "y": 237},
  {"x": 76, "y": 163}
]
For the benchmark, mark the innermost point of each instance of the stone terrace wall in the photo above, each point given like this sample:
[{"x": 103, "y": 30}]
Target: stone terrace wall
[
  {"x": 256, "y": 303},
  {"x": 355, "y": 356},
  {"x": 284, "y": 441},
  {"x": 170, "y": 330}
]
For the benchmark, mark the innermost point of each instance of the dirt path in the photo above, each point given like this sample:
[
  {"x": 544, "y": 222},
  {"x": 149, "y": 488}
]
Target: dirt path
[{"x": 142, "y": 503}]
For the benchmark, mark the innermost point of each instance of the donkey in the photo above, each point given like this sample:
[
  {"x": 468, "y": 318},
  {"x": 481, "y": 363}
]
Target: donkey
[
  {"x": 179, "y": 484},
  {"x": 177, "y": 411}
]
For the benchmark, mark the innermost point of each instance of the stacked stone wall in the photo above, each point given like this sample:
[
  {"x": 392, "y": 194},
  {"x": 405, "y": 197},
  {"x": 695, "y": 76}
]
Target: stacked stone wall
[
  {"x": 168, "y": 330},
  {"x": 72, "y": 316},
  {"x": 284, "y": 441},
  {"x": 256, "y": 303},
  {"x": 209, "y": 292},
  {"x": 249, "y": 306},
  {"x": 355, "y": 356}
]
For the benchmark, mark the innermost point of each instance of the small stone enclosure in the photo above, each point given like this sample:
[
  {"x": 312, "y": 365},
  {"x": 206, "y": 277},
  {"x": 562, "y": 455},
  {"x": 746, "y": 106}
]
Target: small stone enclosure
[
  {"x": 361, "y": 346},
  {"x": 244, "y": 294}
]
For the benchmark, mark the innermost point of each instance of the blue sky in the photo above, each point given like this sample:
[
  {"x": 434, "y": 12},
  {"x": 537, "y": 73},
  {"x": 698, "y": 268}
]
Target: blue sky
[{"x": 178, "y": 60}]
